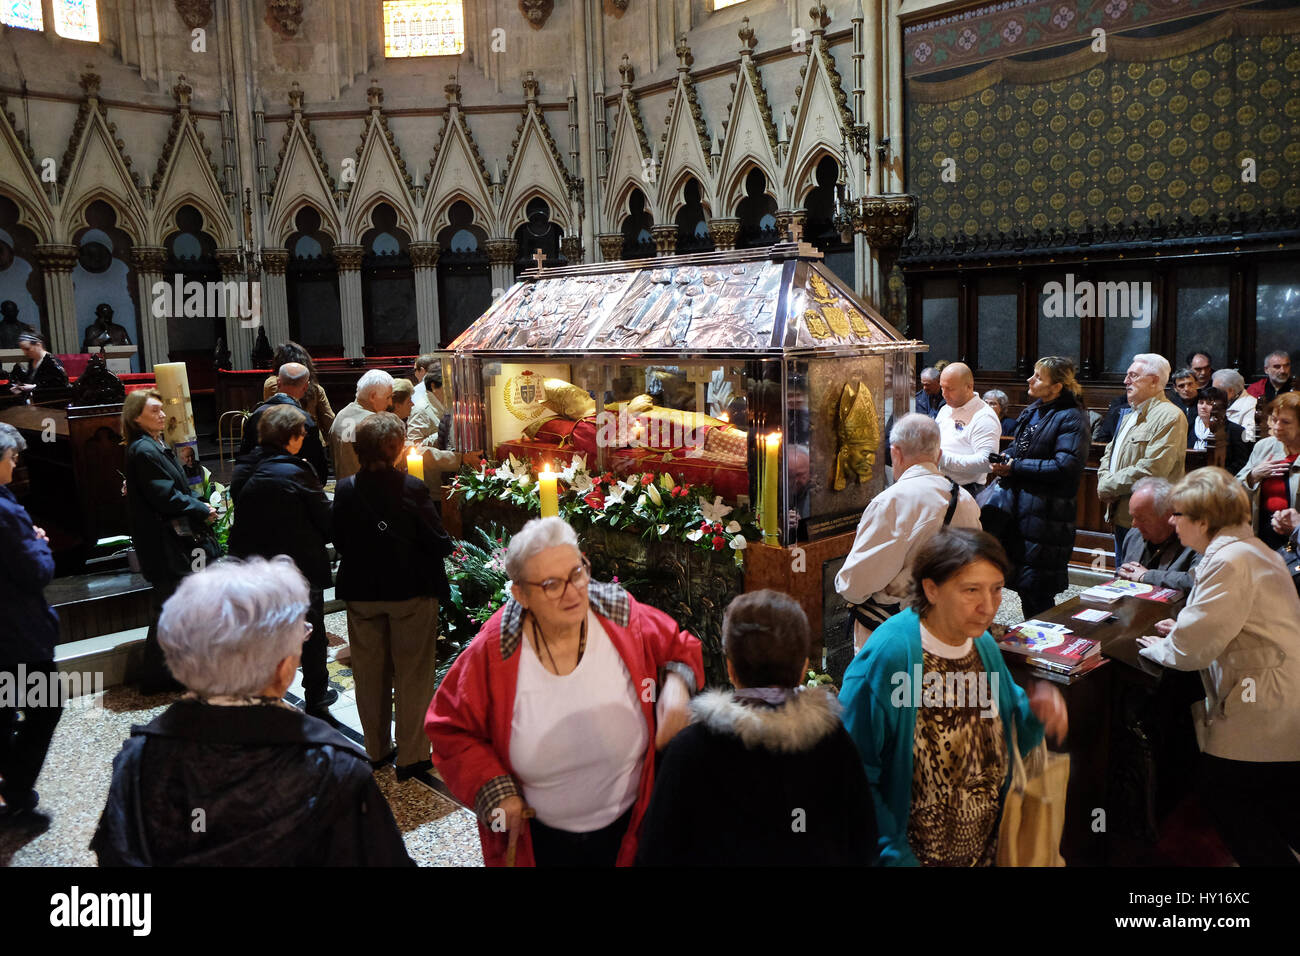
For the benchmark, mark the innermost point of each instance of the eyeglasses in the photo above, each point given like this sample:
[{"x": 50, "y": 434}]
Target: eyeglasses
[
  {"x": 556, "y": 588},
  {"x": 1175, "y": 514}
]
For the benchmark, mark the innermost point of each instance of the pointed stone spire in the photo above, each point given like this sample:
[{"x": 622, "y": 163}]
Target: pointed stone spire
[
  {"x": 821, "y": 19},
  {"x": 181, "y": 92},
  {"x": 295, "y": 97},
  {"x": 573, "y": 87},
  {"x": 90, "y": 82},
  {"x": 530, "y": 87},
  {"x": 375, "y": 95},
  {"x": 626, "y": 71},
  {"x": 452, "y": 89}
]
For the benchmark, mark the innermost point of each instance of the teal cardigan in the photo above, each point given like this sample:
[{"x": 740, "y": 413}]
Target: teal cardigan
[{"x": 881, "y": 719}]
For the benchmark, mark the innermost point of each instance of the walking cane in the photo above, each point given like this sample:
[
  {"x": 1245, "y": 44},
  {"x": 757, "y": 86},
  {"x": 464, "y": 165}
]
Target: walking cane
[{"x": 528, "y": 814}]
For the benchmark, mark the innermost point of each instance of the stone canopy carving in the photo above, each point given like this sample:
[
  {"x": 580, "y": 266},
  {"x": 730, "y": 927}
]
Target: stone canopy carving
[
  {"x": 284, "y": 17},
  {"x": 536, "y": 12}
]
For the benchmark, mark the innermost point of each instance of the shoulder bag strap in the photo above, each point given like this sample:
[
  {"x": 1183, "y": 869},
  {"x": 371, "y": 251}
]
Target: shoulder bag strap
[{"x": 952, "y": 505}]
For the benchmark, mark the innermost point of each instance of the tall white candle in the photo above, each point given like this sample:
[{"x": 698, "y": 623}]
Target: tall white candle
[{"x": 174, "y": 386}]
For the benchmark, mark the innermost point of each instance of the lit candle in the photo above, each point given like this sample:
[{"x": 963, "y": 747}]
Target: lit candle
[
  {"x": 415, "y": 464},
  {"x": 771, "y": 471},
  {"x": 549, "y": 495}
]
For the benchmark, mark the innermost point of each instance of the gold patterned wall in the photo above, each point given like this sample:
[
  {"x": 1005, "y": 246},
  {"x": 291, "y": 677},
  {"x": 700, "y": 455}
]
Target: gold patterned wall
[{"x": 1154, "y": 129}]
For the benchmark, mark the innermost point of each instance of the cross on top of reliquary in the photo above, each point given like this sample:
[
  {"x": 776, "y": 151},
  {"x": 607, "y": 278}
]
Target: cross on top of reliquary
[{"x": 539, "y": 257}]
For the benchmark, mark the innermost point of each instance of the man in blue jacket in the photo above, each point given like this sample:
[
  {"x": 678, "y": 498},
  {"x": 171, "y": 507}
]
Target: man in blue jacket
[{"x": 28, "y": 631}]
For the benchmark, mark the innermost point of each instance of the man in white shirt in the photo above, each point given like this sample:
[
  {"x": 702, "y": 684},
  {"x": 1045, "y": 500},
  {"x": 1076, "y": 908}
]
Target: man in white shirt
[
  {"x": 969, "y": 430},
  {"x": 423, "y": 365},
  {"x": 878, "y": 571},
  {"x": 1241, "y": 404}
]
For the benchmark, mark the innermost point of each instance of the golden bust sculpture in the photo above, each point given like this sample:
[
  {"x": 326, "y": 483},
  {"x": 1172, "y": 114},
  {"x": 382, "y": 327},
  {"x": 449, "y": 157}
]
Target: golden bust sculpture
[{"x": 859, "y": 434}]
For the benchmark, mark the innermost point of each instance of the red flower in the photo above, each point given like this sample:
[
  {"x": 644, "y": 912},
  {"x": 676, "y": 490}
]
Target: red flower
[
  {"x": 595, "y": 499},
  {"x": 704, "y": 526},
  {"x": 596, "y": 481},
  {"x": 609, "y": 477},
  {"x": 717, "y": 527},
  {"x": 647, "y": 479},
  {"x": 718, "y": 542}
]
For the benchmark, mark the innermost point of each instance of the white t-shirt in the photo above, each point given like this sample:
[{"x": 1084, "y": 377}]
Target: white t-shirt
[
  {"x": 577, "y": 742},
  {"x": 967, "y": 435}
]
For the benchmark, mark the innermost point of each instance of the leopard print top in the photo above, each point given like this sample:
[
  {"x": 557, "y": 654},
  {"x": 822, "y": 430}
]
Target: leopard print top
[{"x": 959, "y": 765}]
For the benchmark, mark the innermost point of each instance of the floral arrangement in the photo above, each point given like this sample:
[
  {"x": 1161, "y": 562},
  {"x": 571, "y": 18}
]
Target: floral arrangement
[
  {"x": 218, "y": 496},
  {"x": 655, "y": 506},
  {"x": 476, "y": 574}
]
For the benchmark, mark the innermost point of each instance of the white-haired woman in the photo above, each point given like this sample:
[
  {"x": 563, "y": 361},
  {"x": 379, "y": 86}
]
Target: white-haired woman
[
  {"x": 275, "y": 786},
  {"x": 374, "y": 394},
  {"x": 551, "y": 711},
  {"x": 1241, "y": 629}
]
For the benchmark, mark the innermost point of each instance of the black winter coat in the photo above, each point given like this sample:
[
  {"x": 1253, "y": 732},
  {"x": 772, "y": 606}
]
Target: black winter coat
[
  {"x": 313, "y": 451},
  {"x": 29, "y": 627},
  {"x": 276, "y": 787},
  {"x": 1047, "y": 464},
  {"x": 157, "y": 492},
  {"x": 750, "y": 784},
  {"x": 399, "y": 561},
  {"x": 280, "y": 508}
]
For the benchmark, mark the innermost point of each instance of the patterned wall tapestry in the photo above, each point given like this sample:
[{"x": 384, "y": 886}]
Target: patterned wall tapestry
[{"x": 1151, "y": 132}]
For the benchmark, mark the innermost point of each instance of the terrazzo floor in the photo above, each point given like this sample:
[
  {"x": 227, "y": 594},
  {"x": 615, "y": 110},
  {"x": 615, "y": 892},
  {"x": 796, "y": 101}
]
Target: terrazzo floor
[{"x": 74, "y": 781}]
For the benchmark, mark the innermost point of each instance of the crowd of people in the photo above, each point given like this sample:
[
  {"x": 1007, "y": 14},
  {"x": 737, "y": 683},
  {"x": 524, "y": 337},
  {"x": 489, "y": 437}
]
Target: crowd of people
[{"x": 576, "y": 724}]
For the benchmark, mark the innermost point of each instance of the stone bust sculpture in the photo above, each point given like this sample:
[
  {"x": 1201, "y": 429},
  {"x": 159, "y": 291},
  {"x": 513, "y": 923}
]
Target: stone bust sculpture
[{"x": 104, "y": 331}]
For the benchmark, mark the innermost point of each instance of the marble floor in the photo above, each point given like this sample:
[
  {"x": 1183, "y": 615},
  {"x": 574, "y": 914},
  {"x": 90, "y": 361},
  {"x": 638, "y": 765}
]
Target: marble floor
[{"x": 74, "y": 783}]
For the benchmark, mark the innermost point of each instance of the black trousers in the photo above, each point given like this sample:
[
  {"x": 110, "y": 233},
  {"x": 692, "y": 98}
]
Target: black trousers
[
  {"x": 24, "y": 743},
  {"x": 1034, "y": 601},
  {"x": 1254, "y": 808},
  {"x": 315, "y": 675},
  {"x": 154, "y": 672},
  {"x": 552, "y": 847}
]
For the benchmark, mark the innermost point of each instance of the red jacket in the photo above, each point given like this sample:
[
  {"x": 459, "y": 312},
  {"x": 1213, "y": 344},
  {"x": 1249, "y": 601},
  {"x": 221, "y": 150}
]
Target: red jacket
[{"x": 470, "y": 717}]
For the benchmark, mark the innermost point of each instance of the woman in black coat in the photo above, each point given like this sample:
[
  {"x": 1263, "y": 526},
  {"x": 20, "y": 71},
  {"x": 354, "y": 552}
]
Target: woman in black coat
[
  {"x": 1044, "y": 464},
  {"x": 765, "y": 775},
  {"x": 391, "y": 543},
  {"x": 280, "y": 508},
  {"x": 168, "y": 520}
]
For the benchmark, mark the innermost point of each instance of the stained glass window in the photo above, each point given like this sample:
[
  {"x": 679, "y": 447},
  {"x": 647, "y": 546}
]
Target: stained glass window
[
  {"x": 77, "y": 19},
  {"x": 25, "y": 14},
  {"x": 423, "y": 28}
]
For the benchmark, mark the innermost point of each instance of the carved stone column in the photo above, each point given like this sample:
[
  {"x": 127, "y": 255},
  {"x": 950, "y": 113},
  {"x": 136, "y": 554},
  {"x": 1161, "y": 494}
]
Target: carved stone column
[
  {"x": 665, "y": 238},
  {"x": 240, "y": 331},
  {"x": 571, "y": 247},
  {"x": 424, "y": 260},
  {"x": 153, "y": 341},
  {"x": 56, "y": 262},
  {"x": 723, "y": 232},
  {"x": 611, "y": 246},
  {"x": 275, "y": 301},
  {"x": 348, "y": 259},
  {"x": 501, "y": 257}
]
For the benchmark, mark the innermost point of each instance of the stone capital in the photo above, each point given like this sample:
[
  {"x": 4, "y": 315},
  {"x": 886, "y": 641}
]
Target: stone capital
[
  {"x": 275, "y": 261},
  {"x": 229, "y": 263},
  {"x": 502, "y": 252},
  {"x": 152, "y": 259},
  {"x": 885, "y": 220},
  {"x": 424, "y": 255},
  {"x": 348, "y": 258},
  {"x": 56, "y": 257},
  {"x": 723, "y": 232},
  {"x": 611, "y": 246},
  {"x": 665, "y": 238}
]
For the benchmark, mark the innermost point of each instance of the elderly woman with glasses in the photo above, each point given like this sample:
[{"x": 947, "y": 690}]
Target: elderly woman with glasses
[
  {"x": 231, "y": 775},
  {"x": 555, "y": 711}
]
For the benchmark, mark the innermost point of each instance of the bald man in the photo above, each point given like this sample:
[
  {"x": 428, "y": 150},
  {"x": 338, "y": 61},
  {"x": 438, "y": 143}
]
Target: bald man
[
  {"x": 969, "y": 430},
  {"x": 292, "y": 384}
]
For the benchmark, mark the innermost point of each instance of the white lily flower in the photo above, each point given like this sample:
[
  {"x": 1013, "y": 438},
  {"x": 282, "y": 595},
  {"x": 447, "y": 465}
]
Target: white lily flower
[
  {"x": 666, "y": 482},
  {"x": 695, "y": 535},
  {"x": 525, "y": 481},
  {"x": 581, "y": 483},
  {"x": 738, "y": 543},
  {"x": 663, "y": 530},
  {"x": 215, "y": 499},
  {"x": 733, "y": 527},
  {"x": 653, "y": 494},
  {"x": 716, "y": 511},
  {"x": 577, "y": 466},
  {"x": 615, "y": 495}
]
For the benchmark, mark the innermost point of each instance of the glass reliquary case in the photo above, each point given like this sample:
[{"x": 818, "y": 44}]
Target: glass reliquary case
[{"x": 756, "y": 373}]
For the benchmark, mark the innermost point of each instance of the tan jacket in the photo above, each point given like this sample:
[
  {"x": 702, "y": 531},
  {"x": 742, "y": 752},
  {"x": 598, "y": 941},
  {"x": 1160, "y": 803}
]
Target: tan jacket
[
  {"x": 1241, "y": 629},
  {"x": 1154, "y": 446},
  {"x": 342, "y": 437}
]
